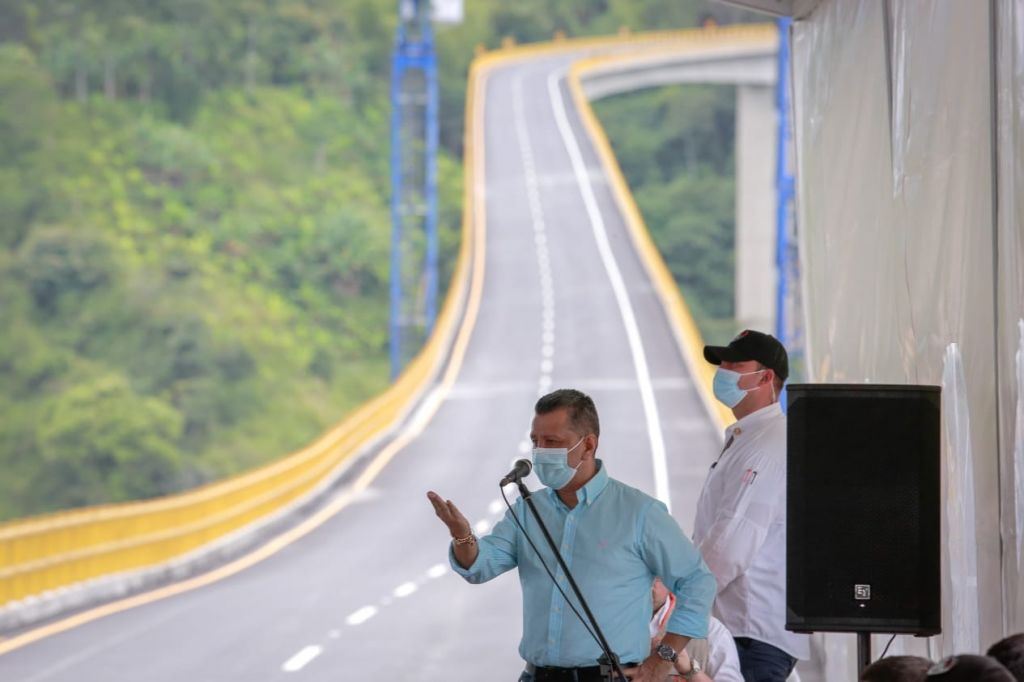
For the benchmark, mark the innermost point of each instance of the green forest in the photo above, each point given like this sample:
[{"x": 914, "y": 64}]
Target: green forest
[
  {"x": 676, "y": 149},
  {"x": 194, "y": 222}
]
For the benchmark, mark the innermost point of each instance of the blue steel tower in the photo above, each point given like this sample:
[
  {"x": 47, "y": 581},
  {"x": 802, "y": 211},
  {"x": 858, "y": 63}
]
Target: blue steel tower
[{"x": 414, "y": 138}]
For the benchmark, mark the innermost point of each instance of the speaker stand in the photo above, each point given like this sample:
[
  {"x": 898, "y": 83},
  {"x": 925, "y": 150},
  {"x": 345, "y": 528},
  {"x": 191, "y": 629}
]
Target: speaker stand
[{"x": 863, "y": 651}]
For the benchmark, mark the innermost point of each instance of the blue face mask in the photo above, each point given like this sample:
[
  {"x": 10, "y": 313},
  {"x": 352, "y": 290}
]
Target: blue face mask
[
  {"x": 552, "y": 466},
  {"x": 727, "y": 388}
]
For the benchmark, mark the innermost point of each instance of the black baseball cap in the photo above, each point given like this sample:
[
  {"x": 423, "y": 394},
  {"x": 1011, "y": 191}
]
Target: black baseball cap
[{"x": 752, "y": 345}]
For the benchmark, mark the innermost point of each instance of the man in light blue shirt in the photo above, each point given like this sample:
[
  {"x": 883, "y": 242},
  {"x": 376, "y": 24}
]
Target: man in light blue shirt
[{"x": 615, "y": 540}]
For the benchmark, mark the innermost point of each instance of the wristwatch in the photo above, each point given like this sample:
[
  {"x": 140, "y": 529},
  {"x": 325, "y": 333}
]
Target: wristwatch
[{"x": 666, "y": 653}]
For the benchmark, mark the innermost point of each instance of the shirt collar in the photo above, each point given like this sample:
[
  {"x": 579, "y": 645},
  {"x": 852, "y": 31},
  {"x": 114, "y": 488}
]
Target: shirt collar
[
  {"x": 592, "y": 488},
  {"x": 756, "y": 419}
]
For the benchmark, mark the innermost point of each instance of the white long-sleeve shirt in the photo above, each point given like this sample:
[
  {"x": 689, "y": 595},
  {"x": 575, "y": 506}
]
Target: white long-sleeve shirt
[{"x": 740, "y": 530}]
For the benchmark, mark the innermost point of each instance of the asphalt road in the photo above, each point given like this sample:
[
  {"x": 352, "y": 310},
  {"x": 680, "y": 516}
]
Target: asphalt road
[{"x": 368, "y": 595}]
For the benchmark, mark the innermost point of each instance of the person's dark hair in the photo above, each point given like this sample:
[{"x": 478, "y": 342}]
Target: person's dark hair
[
  {"x": 1010, "y": 652},
  {"x": 582, "y": 412},
  {"x": 897, "y": 669},
  {"x": 968, "y": 668}
]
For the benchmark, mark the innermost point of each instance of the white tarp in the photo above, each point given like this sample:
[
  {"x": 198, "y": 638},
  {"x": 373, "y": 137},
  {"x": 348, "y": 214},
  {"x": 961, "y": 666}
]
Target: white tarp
[
  {"x": 910, "y": 210},
  {"x": 1010, "y": 271},
  {"x": 960, "y": 555},
  {"x": 1018, "y": 450}
]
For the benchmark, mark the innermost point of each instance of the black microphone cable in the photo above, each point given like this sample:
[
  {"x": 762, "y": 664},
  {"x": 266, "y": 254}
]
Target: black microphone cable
[
  {"x": 554, "y": 582},
  {"x": 886, "y": 649}
]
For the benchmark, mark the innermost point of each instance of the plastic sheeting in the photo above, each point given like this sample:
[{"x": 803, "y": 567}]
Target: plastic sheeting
[
  {"x": 910, "y": 208},
  {"x": 960, "y": 553},
  {"x": 1010, "y": 270},
  {"x": 1018, "y": 453}
]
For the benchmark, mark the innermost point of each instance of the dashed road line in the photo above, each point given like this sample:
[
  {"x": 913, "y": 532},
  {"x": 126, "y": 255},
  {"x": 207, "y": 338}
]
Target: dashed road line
[
  {"x": 405, "y": 589},
  {"x": 362, "y": 615},
  {"x": 301, "y": 659}
]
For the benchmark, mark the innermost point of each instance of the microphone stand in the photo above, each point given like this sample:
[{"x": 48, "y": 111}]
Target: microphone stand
[{"x": 609, "y": 661}]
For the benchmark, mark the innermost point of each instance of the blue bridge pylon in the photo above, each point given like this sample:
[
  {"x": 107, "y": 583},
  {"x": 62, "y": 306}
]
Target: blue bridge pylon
[{"x": 414, "y": 140}]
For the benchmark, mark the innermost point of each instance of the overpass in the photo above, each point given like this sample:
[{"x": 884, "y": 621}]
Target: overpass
[
  {"x": 752, "y": 68},
  {"x": 334, "y": 561}
]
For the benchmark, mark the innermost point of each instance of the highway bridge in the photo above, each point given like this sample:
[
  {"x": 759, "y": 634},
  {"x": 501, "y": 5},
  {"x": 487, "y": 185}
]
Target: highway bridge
[
  {"x": 558, "y": 286},
  {"x": 330, "y": 564}
]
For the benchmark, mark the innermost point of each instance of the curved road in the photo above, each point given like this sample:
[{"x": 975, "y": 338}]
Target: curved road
[{"x": 368, "y": 595}]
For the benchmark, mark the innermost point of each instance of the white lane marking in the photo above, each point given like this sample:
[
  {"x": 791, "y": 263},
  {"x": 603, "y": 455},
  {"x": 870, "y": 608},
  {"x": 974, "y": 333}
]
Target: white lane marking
[
  {"x": 524, "y": 446},
  {"x": 362, "y": 615},
  {"x": 299, "y": 660},
  {"x": 540, "y": 240},
  {"x": 426, "y": 411},
  {"x": 619, "y": 288},
  {"x": 405, "y": 589}
]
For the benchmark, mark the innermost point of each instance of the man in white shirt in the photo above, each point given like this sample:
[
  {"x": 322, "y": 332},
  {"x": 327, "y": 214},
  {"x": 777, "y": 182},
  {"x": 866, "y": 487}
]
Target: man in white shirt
[{"x": 740, "y": 527}]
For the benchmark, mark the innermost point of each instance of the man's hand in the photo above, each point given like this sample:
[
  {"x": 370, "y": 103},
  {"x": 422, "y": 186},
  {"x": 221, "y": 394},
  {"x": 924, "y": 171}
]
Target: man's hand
[
  {"x": 458, "y": 526},
  {"x": 653, "y": 669},
  {"x": 450, "y": 515},
  {"x": 683, "y": 664}
]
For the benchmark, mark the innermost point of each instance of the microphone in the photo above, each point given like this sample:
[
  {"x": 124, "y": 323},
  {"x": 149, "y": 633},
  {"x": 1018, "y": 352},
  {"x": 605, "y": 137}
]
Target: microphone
[{"x": 520, "y": 471}]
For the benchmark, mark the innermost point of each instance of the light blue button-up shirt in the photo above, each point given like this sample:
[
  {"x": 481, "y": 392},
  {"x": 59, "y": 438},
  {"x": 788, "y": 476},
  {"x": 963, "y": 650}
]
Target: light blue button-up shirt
[{"x": 615, "y": 541}]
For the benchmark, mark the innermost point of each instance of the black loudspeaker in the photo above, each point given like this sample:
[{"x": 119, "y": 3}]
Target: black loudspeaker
[{"x": 863, "y": 513}]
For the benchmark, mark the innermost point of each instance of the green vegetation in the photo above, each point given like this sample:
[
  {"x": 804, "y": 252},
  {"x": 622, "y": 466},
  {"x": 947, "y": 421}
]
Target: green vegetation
[
  {"x": 194, "y": 224},
  {"x": 676, "y": 148},
  {"x": 194, "y": 230}
]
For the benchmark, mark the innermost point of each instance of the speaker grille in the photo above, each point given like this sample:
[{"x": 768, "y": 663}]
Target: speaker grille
[{"x": 863, "y": 508}]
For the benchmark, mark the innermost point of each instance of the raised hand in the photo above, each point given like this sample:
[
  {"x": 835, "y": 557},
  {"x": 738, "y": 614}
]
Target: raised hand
[{"x": 450, "y": 515}]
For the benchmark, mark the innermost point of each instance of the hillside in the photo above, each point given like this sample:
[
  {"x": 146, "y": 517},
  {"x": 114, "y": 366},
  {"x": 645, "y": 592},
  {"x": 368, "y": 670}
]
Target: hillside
[{"x": 194, "y": 224}]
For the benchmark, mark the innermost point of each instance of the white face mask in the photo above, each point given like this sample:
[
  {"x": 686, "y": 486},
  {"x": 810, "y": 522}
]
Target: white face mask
[
  {"x": 726, "y": 386},
  {"x": 552, "y": 466}
]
